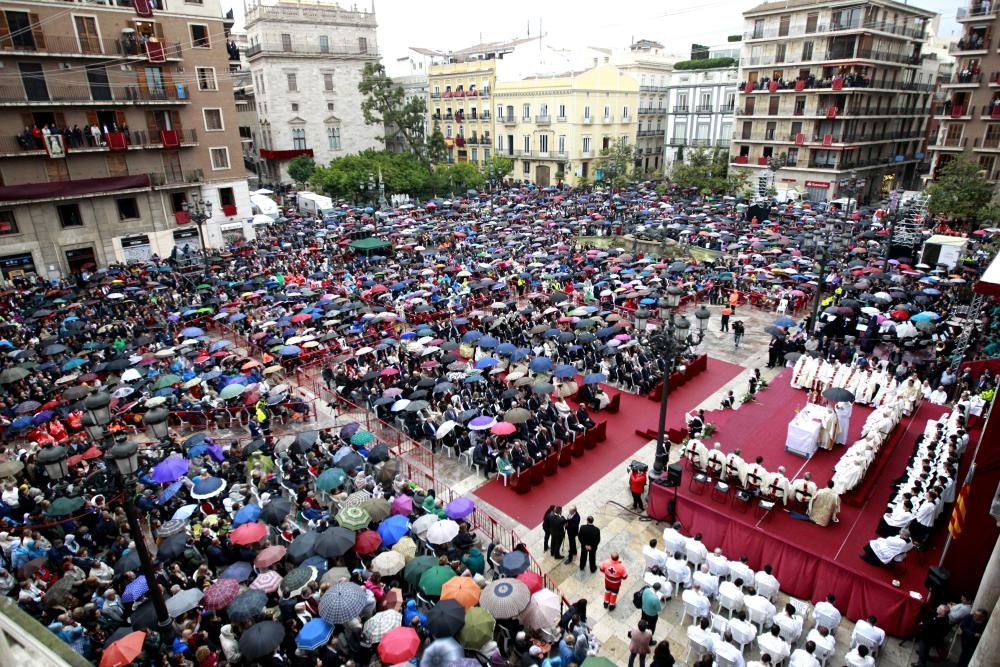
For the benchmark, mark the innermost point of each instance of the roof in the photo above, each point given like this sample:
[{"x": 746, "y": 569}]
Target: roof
[
  {"x": 944, "y": 239},
  {"x": 370, "y": 243},
  {"x": 427, "y": 52},
  {"x": 486, "y": 47},
  {"x": 778, "y": 5}
]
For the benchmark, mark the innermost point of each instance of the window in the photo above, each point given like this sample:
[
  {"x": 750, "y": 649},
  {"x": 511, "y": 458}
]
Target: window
[
  {"x": 706, "y": 102},
  {"x": 8, "y": 225},
  {"x": 128, "y": 208},
  {"x": 299, "y": 138},
  {"x": 293, "y": 82},
  {"x": 329, "y": 106},
  {"x": 525, "y": 111},
  {"x": 362, "y": 45},
  {"x": 682, "y": 101},
  {"x": 447, "y": 131},
  {"x": 586, "y": 112},
  {"x": 324, "y": 44},
  {"x": 543, "y": 143},
  {"x": 328, "y": 81},
  {"x": 333, "y": 138},
  {"x": 625, "y": 113},
  {"x": 527, "y": 143},
  {"x": 562, "y": 110},
  {"x": 486, "y": 154},
  {"x": 295, "y": 106},
  {"x": 87, "y": 33},
  {"x": 220, "y": 157},
  {"x": 286, "y": 41},
  {"x": 69, "y": 215},
  {"x": 226, "y": 197},
  {"x": 199, "y": 35},
  {"x": 543, "y": 110},
  {"x": 213, "y": 120},
  {"x": 475, "y": 155},
  {"x": 526, "y": 168},
  {"x": 206, "y": 78},
  {"x": 561, "y": 143},
  {"x": 607, "y": 112},
  {"x": 586, "y": 144},
  {"x": 807, "y": 51}
]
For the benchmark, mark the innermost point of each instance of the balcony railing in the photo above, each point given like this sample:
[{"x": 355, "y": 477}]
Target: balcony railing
[
  {"x": 704, "y": 108},
  {"x": 965, "y": 79},
  {"x": 69, "y": 94},
  {"x": 950, "y": 142},
  {"x": 976, "y": 10},
  {"x": 650, "y": 110},
  {"x": 650, "y": 133},
  {"x": 971, "y": 42},
  {"x": 587, "y": 120},
  {"x": 701, "y": 142},
  {"x": 681, "y": 108},
  {"x": 508, "y": 120},
  {"x": 654, "y": 89},
  {"x": 135, "y": 139},
  {"x": 608, "y": 119},
  {"x": 560, "y": 119},
  {"x": 798, "y": 31},
  {"x": 169, "y": 178},
  {"x": 836, "y": 83},
  {"x": 586, "y": 155},
  {"x": 303, "y": 48},
  {"x": 678, "y": 141},
  {"x": 87, "y": 47},
  {"x": 543, "y": 120}
]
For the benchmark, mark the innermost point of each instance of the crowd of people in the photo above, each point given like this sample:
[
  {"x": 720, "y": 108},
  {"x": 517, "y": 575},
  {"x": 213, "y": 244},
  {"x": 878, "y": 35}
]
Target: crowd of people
[{"x": 482, "y": 328}]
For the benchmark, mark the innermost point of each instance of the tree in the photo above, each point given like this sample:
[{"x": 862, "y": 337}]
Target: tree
[
  {"x": 436, "y": 149},
  {"x": 301, "y": 169},
  {"x": 386, "y": 105},
  {"x": 499, "y": 167},
  {"x": 616, "y": 163},
  {"x": 457, "y": 178},
  {"x": 961, "y": 192},
  {"x": 708, "y": 173},
  {"x": 345, "y": 177}
]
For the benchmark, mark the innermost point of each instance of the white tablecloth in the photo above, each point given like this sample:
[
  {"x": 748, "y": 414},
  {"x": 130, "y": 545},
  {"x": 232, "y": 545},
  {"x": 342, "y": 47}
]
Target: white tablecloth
[{"x": 805, "y": 429}]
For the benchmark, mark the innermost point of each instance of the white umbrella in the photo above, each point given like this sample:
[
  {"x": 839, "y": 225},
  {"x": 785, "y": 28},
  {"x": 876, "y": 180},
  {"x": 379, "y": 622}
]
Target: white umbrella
[
  {"x": 444, "y": 429},
  {"x": 442, "y": 532},
  {"x": 388, "y": 563},
  {"x": 400, "y": 405},
  {"x": 542, "y": 612},
  {"x": 131, "y": 375},
  {"x": 423, "y": 524}
]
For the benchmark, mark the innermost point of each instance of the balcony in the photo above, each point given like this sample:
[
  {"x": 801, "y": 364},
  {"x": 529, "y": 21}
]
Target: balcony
[
  {"x": 643, "y": 111},
  {"x": 953, "y": 111},
  {"x": 587, "y": 120},
  {"x": 704, "y": 108},
  {"x": 61, "y": 46},
  {"x": 21, "y": 146},
  {"x": 681, "y": 108},
  {"x": 821, "y": 28},
  {"x": 741, "y": 159},
  {"x": 964, "y": 80},
  {"x": 723, "y": 143},
  {"x": 650, "y": 133},
  {"x": 304, "y": 49},
  {"x": 701, "y": 142},
  {"x": 586, "y": 155},
  {"x": 978, "y": 10},
  {"x": 988, "y": 143},
  {"x": 727, "y": 108},
  {"x": 950, "y": 143},
  {"x": 169, "y": 179},
  {"x": 508, "y": 120},
  {"x": 543, "y": 120},
  {"x": 484, "y": 141},
  {"x": 68, "y": 95},
  {"x": 560, "y": 119},
  {"x": 654, "y": 89},
  {"x": 971, "y": 45},
  {"x": 678, "y": 141},
  {"x": 607, "y": 120},
  {"x": 436, "y": 96}
]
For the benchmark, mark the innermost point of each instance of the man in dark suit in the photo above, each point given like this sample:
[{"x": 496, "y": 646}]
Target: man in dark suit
[
  {"x": 590, "y": 538},
  {"x": 557, "y": 532},
  {"x": 572, "y": 529}
]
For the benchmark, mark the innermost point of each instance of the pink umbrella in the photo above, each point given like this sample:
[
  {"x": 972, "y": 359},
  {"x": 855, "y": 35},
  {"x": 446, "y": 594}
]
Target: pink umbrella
[
  {"x": 531, "y": 580},
  {"x": 502, "y": 428},
  {"x": 389, "y": 371},
  {"x": 402, "y": 505},
  {"x": 269, "y": 556},
  {"x": 267, "y": 581}
]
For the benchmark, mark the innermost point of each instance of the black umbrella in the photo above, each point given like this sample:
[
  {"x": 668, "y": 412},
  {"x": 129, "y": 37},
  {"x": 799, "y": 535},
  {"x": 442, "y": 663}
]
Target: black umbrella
[
  {"x": 127, "y": 563},
  {"x": 378, "y": 453},
  {"x": 350, "y": 462},
  {"x": 253, "y": 447},
  {"x": 172, "y": 547},
  {"x": 334, "y": 542},
  {"x": 143, "y": 616},
  {"x": 247, "y": 604},
  {"x": 445, "y": 619},
  {"x": 304, "y": 440},
  {"x": 275, "y": 511},
  {"x": 261, "y": 639},
  {"x": 777, "y": 332},
  {"x": 302, "y": 547},
  {"x": 838, "y": 394}
]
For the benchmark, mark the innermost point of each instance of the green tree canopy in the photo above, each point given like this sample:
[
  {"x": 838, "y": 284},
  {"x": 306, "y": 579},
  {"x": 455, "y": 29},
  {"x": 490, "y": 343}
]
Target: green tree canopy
[
  {"x": 961, "y": 192},
  {"x": 500, "y": 166},
  {"x": 616, "y": 164},
  {"x": 708, "y": 173},
  {"x": 344, "y": 176},
  {"x": 301, "y": 169},
  {"x": 385, "y": 105}
]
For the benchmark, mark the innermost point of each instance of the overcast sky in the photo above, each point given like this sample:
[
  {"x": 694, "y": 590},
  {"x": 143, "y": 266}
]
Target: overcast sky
[{"x": 450, "y": 24}]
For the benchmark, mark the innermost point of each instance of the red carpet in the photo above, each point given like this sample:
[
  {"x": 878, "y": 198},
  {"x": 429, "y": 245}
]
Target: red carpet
[
  {"x": 809, "y": 560},
  {"x": 622, "y": 441}
]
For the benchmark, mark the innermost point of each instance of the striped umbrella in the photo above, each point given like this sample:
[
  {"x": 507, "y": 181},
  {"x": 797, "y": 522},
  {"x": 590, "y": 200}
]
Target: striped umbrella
[
  {"x": 378, "y": 625},
  {"x": 267, "y": 581},
  {"x": 220, "y": 594},
  {"x": 353, "y": 518},
  {"x": 505, "y": 598},
  {"x": 357, "y": 499},
  {"x": 342, "y": 602},
  {"x": 172, "y": 527}
]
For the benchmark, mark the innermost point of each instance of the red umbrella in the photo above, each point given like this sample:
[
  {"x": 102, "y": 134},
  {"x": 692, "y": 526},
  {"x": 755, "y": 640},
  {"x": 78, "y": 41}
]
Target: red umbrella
[
  {"x": 503, "y": 428},
  {"x": 220, "y": 594},
  {"x": 301, "y": 317},
  {"x": 398, "y": 645},
  {"x": 366, "y": 542},
  {"x": 531, "y": 580},
  {"x": 248, "y": 533},
  {"x": 900, "y": 314},
  {"x": 122, "y": 652},
  {"x": 269, "y": 556}
]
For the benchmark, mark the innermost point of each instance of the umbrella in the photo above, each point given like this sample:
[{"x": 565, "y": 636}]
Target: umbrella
[
  {"x": 423, "y": 523},
  {"x": 248, "y": 533},
  {"x": 377, "y": 508},
  {"x": 542, "y": 612},
  {"x": 415, "y": 569},
  {"x": 463, "y": 590},
  {"x": 445, "y": 619},
  {"x": 407, "y": 547},
  {"x": 275, "y": 511},
  {"x": 135, "y": 590},
  {"x": 388, "y": 563},
  {"x": 184, "y": 601},
  {"x": 442, "y": 653},
  {"x": 207, "y": 488},
  {"x": 402, "y": 504},
  {"x": 296, "y": 580},
  {"x": 342, "y": 602},
  {"x": 239, "y": 571},
  {"x": 63, "y": 506},
  {"x": 353, "y": 518},
  {"x": 270, "y": 556},
  {"x": 433, "y": 579},
  {"x": 261, "y": 639},
  {"x": 505, "y": 598},
  {"x": 330, "y": 479},
  {"x": 314, "y": 634},
  {"x": 514, "y": 563},
  {"x": 220, "y": 594},
  {"x": 531, "y": 580},
  {"x": 171, "y": 527},
  {"x": 460, "y": 508},
  {"x": 517, "y": 416},
  {"x": 442, "y": 532},
  {"x": 267, "y": 581},
  {"x": 838, "y": 395},
  {"x": 397, "y": 645},
  {"x": 124, "y": 651},
  {"x": 478, "y": 628},
  {"x": 393, "y": 529},
  {"x": 334, "y": 542},
  {"x": 303, "y": 546},
  {"x": 246, "y": 605},
  {"x": 247, "y": 514},
  {"x": 367, "y": 542}
]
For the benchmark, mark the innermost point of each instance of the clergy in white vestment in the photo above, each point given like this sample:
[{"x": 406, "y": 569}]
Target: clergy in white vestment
[
  {"x": 696, "y": 452},
  {"x": 803, "y": 488},
  {"x": 756, "y": 474},
  {"x": 909, "y": 393},
  {"x": 716, "y": 460},
  {"x": 883, "y": 550},
  {"x": 736, "y": 467},
  {"x": 778, "y": 486}
]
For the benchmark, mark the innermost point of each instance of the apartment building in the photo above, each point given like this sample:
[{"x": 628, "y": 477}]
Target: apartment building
[
  {"x": 968, "y": 115},
  {"x": 647, "y": 62},
  {"x": 700, "y": 109},
  {"x": 555, "y": 127},
  {"x": 458, "y": 102},
  {"x": 830, "y": 103},
  {"x": 114, "y": 117},
  {"x": 306, "y": 58}
]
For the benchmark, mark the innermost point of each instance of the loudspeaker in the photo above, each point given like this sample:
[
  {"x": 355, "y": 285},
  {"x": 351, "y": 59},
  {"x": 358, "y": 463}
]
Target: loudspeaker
[
  {"x": 937, "y": 578},
  {"x": 674, "y": 474}
]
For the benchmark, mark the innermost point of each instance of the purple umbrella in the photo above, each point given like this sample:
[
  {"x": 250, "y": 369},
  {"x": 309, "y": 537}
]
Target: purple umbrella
[
  {"x": 349, "y": 429},
  {"x": 42, "y": 417},
  {"x": 402, "y": 505},
  {"x": 215, "y": 451},
  {"x": 460, "y": 508},
  {"x": 170, "y": 469},
  {"x": 482, "y": 423},
  {"x": 240, "y": 571}
]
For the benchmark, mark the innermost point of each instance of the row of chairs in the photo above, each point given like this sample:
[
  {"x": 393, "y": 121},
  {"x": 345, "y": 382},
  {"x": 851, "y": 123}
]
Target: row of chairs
[
  {"x": 522, "y": 481},
  {"x": 742, "y": 498}
]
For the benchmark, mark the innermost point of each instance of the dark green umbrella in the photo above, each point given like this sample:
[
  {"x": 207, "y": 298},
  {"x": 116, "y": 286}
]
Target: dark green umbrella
[
  {"x": 64, "y": 506},
  {"x": 334, "y": 542},
  {"x": 416, "y": 568},
  {"x": 433, "y": 579},
  {"x": 247, "y": 604},
  {"x": 478, "y": 628},
  {"x": 261, "y": 639},
  {"x": 166, "y": 381}
]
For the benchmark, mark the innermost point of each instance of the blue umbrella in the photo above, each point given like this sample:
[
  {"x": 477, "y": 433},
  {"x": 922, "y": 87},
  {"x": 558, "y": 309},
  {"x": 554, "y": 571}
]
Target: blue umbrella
[
  {"x": 506, "y": 348},
  {"x": 170, "y": 469},
  {"x": 207, "y": 487},
  {"x": 317, "y": 562},
  {"x": 564, "y": 372},
  {"x": 247, "y": 514},
  {"x": 237, "y": 317},
  {"x": 595, "y": 378},
  {"x": 136, "y": 589},
  {"x": 784, "y": 322},
  {"x": 393, "y": 529},
  {"x": 169, "y": 492},
  {"x": 488, "y": 342},
  {"x": 192, "y": 332},
  {"x": 475, "y": 377},
  {"x": 540, "y": 364},
  {"x": 184, "y": 513},
  {"x": 471, "y": 336},
  {"x": 240, "y": 571},
  {"x": 75, "y": 362},
  {"x": 219, "y": 345},
  {"x": 486, "y": 362},
  {"x": 289, "y": 350},
  {"x": 314, "y": 634},
  {"x": 926, "y": 316},
  {"x": 931, "y": 291}
]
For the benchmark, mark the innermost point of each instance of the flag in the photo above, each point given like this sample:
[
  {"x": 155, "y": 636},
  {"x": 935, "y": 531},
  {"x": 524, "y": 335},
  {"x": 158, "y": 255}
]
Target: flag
[{"x": 957, "y": 521}]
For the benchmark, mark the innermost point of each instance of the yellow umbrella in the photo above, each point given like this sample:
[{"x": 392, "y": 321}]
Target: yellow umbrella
[{"x": 407, "y": 547}]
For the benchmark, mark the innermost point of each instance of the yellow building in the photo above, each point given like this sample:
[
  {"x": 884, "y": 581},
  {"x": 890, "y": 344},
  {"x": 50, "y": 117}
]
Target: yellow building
[
  {"x": 554, "y": 128},
  {"x": 459, "y": 103}
]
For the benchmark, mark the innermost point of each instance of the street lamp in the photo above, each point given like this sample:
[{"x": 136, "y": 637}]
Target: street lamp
[
  {"x": 54, "y": 460},
  {"x": 156, "y": 421},
  {"x": 200, "y": 211},
  {"x": 669, "y": 343},
  {"x": 824, "y": 246}
]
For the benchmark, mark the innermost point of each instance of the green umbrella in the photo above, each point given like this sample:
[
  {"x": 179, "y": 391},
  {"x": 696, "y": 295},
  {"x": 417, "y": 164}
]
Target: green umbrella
[
  {"x": 64, "y": 506},
  {"x": 377, "y": 508},
  {"x": 330, "y": 479},
  {"x": 13, "y": 375},
  {"x": 353, "y": 518},
  {"x": 478, "y": 628},
  {"x": 231, "y": 391},
  {"x": 597, "y": 661},
  {"x": 362, "y": 438},
  {"x": 166, "y": 381},
  {"x": 298, "y": 579},
  {"x": 415, "y": 568},
  {"x": 204, "y": 310},
  {"x": 433, "y": 579}
]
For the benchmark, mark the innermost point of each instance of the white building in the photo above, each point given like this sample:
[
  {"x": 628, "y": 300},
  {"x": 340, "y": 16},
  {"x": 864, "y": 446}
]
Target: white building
[
  {"x": 700, "y": 113},
  {"x": 306, "y": 58},
  {"x": 647, "y": 62}
]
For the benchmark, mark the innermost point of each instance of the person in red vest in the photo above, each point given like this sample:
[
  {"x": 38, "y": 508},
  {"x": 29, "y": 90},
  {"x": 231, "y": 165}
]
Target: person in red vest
[
  {"x": 637, "y": 484},
  {"x": 614, "y": 574}
]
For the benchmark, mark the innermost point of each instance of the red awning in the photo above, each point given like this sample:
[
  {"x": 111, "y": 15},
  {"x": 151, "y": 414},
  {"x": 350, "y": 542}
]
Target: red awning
[
  {"x": 81, "y": 187},
  {"x": 143, "y": 8},
  {"x": 285, "y": 155}
]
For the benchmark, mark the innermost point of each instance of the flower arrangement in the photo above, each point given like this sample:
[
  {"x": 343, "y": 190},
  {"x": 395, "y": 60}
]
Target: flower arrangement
[
  {"x": 987, "y": 394},
  {"x": 747, "y": 398},
  {"x": 763, "y": 385},
  {"x": 708, "y": 429}
]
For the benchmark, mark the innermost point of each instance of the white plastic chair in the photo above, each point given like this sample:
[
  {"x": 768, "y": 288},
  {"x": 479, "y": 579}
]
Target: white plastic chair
[
  {"x": 825, "y": 621},
  {"x": 719, "y": 624},
  {"x": 759, "y": 619},
  {"x": 873, "y": 648},
  {"x": 723, "y": 661},
  {"x": 697, "y": 648},
  {"x": 689, "y": 610},
  {"x": 731, "y": 604},
  {"x": 822, "y": 654}
]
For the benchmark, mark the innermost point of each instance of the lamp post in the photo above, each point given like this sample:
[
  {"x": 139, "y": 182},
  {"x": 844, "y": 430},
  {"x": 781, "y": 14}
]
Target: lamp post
[
  {"x": 673, "y": 339},
  {"x": 200, "y": 211},
  {"x": 824, "y": 246},
  {"x": 774, "y": 164}
]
